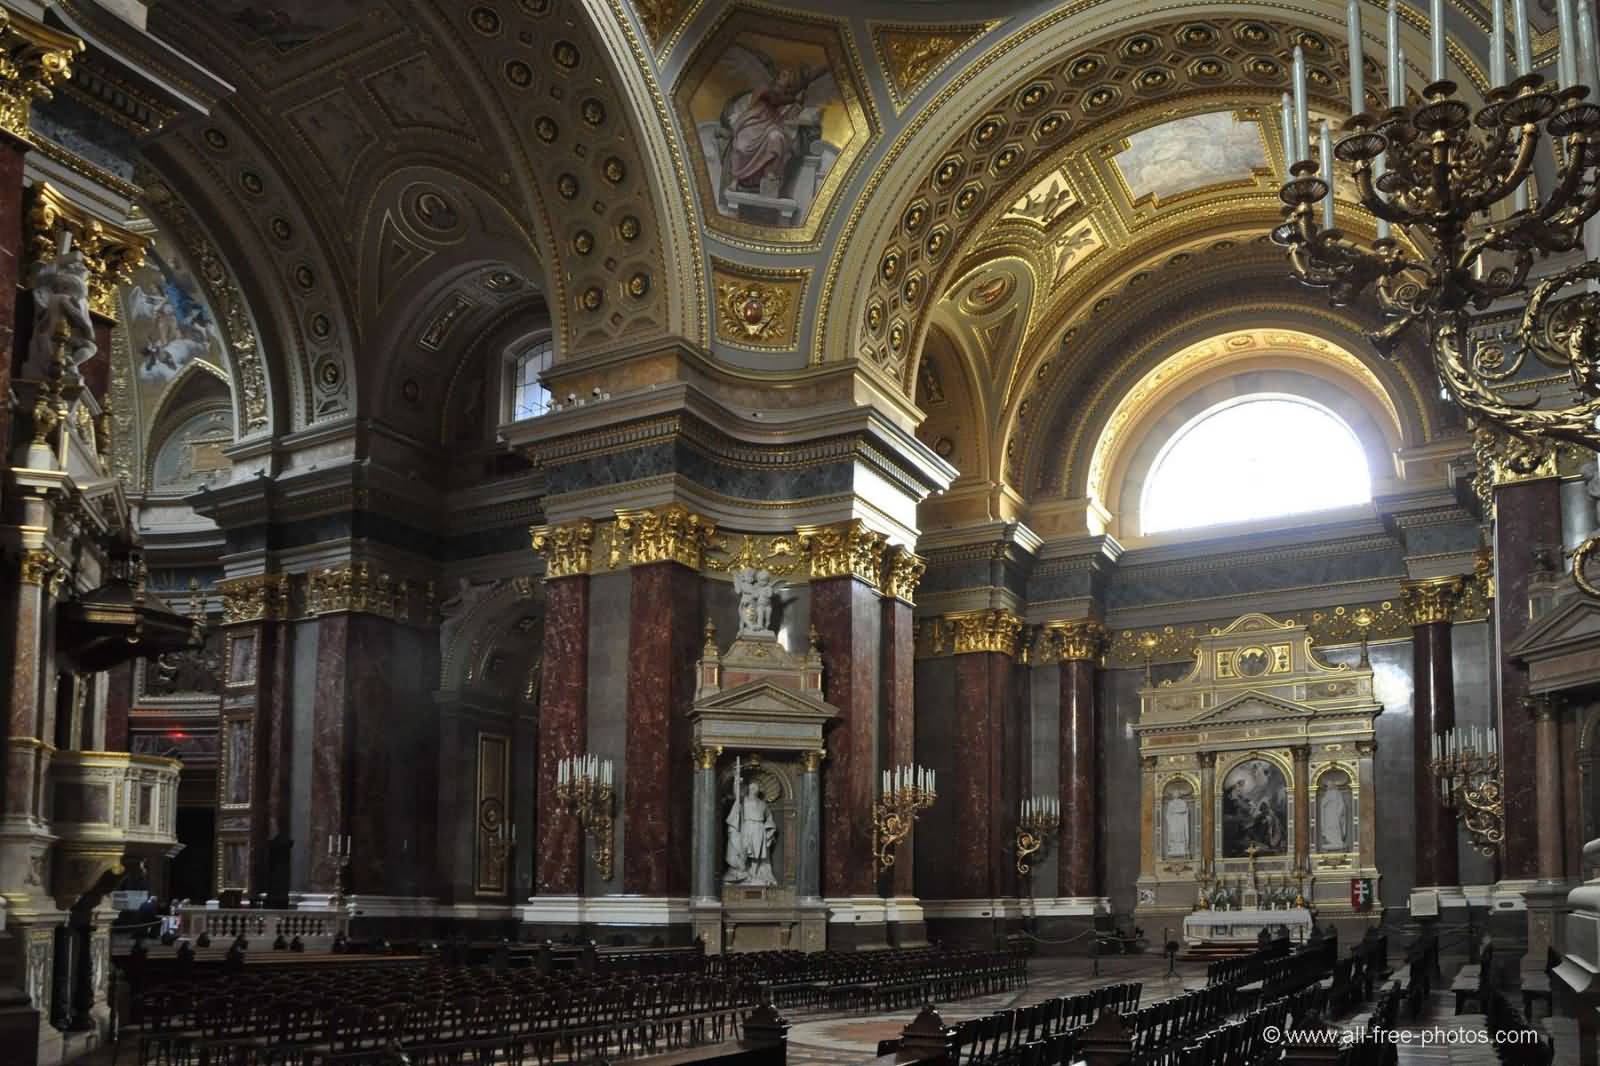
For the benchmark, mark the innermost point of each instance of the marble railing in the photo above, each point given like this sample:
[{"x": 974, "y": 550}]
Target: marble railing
[{"x": 260, "y": 925}]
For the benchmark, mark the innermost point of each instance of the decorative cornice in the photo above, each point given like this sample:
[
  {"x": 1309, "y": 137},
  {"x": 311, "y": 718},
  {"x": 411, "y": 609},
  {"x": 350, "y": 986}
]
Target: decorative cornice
[
  {"x": 996, "y": 630},
  {"x": 1431, "y": 600},
  {"x": 671, "y": 533},
  {"x": 257, "y": 598},
  {"x": 35, "y": 59},
  {"x": 902, "y": 569},
  {"x": 567, "y": 549},
  {"x": 844, "y": 549}
]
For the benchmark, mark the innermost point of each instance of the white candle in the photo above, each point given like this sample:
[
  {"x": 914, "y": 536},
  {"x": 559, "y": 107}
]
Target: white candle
[
  {"x": 1287, "y": 115},
  {"x": 1497, "y": 44},
  {"x": 1302, "y": 116},
  {"x": 1397, "y": 78},
  {"x": 1436, "y": 38},
  {"x": 1567, "y": 57},
  {"x": 1589, "y": 67},
  {"x": 1523, "y": 36},
  {"x": 1327, "y": 173},
  {"x": 1358, "y": 75}
]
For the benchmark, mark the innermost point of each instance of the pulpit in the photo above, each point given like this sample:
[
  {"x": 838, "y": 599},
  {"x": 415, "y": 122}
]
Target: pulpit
[
  {"x": 758, "y": 722},
  {"x": 1256, "y": 795}
]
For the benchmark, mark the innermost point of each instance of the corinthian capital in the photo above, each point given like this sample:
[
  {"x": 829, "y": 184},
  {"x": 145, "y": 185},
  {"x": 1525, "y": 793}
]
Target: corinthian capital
[
  {"x": 1430, "y": 600},
  {"x": 33, "y": 59},
  {"x": 566, "y": 548}
]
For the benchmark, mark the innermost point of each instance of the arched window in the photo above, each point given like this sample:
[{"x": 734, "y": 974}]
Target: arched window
[
  {"x": 1253, "y": 457},
  {"x": 529, "y": 397}
]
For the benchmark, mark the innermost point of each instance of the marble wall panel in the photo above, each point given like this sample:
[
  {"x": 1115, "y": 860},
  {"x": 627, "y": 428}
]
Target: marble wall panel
[
  {"x": 936, "y": 750},
  {"x": 302, "y": 640},
  {"x": 329, "y": 763},
  {"x": 765, "y": 483},
  {"x": 846, "y": 615},
  {"x": 897, "y": 726},
  {"x": 1120, "y": 779},
  {"x": 610, "y": 599},
  {"x": 1139, "y": 586},
  {"x": 562, "y": 729}
]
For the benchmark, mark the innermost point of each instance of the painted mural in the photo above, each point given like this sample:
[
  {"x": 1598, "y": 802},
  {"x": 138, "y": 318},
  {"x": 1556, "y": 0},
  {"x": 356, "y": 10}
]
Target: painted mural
[
  {"x": 287, "y": 24},
  {"x": 192, "y": 455},
  {"x": 1191, "y": 153},
  {"x": 777, "y": 119},
  {"x": 1255, "y": 810},
  {"x": 169, "y": 323}
]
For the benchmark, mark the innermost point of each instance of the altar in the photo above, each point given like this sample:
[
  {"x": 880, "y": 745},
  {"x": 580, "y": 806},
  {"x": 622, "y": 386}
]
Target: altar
[{"x": 1244, "y": 926}]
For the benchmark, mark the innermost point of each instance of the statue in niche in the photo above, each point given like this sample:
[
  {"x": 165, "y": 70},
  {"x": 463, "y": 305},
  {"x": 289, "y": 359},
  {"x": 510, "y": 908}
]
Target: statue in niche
[
  {"x": 756, "y": 589},
  {"x": 1176, "y": 816},
  {"x": 1333, "y": 813},
  {"x": 751, "y": 830},
  {"x": 61, "y": 295}
]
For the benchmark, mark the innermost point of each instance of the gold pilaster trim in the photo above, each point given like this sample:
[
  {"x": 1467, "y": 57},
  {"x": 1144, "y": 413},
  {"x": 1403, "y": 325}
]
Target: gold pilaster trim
[
  {"x": 1077, "y": 641},
  {"x": 670, "y": 533},
  {"x": 902, "y": 570},
  {"x": 110, "y": 252},
  {"x": 1431, "y": 600},
  {"x": 35, "y": 59},
  {"x": 995, "y": 629},
  {"x": 844, "y": 549},
  {"x": 567, "y": 549},
  {"x": 257, "y": 598}
]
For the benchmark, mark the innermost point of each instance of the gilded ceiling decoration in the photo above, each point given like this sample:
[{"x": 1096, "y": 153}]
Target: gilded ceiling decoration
[
  {"x": 663, "y": 20},
  {"x": 912, "y": 54},
  {"x": 774, "y": 109},
  {"x": 758, "y": 309}
]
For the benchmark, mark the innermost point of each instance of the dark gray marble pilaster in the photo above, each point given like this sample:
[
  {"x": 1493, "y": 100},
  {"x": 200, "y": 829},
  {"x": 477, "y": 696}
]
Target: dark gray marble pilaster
[
  {"x": 809, "y": 798},
  {"x": 705, "y": 824}
]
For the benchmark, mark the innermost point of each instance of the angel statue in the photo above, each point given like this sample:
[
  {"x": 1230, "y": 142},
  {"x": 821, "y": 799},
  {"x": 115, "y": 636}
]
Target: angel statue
[
  {"x": 772, "y": 123},
  {"x": 61, "y": 294},
  {"x": 756, "y": 589}
]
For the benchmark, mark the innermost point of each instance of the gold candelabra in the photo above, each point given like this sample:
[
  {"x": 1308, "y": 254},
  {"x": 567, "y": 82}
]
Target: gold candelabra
[
  {"x": 1038, "y": 821},
  {"x": 584, "y": 789},
  {"x": 339, "y": 855},
  {"x": 1432, "y": 169},
  {"x": 1467, "y": 766},
  {"x": 907, "y": 792}
]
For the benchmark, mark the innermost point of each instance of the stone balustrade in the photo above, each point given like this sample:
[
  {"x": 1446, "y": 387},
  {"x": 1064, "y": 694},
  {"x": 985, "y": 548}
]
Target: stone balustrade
[{"x": 317, "y": 928}]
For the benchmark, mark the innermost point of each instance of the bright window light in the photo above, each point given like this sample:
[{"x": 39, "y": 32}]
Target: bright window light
[
  {"x": 529, "y": 398},
  {"x": 1254, "y": 457}
]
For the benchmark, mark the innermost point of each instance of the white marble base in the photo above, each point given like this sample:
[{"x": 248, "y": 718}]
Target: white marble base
[
  {"x": 903, "y": 909},
  {"x": 1066, "y": 907},
  {"x": 857, "y": 910},
  {"x": 1005, "y": 907},
  {"x": 605, "y": 910},
  {"x": 1244, "y": 926}
]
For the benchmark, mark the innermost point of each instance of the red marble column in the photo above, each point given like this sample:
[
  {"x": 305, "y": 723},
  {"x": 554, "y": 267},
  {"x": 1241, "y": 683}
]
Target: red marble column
[
  {"x": 899, "y": 722},
  {"x": 664, "y": 641},
  {"x": 563, "y": 717},
  {"x": 331, "y": 733},
  {"x": 1429, "y": 604},
  {"x": 12, "y": 255},
  {"x": 1527, "y": 520},
  {"x": 845, "y": 614},
  {"x": 1077, "y": 867},
  {"x": 985, "y": 800}
]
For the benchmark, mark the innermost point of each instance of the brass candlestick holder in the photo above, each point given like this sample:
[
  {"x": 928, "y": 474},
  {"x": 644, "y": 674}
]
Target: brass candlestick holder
[
  {"x": 1040, "y": 819},
  {"x": 907, "y": 792},
  {"x": 1466, "y": 764},
  {"x": 584, "y": 789}
]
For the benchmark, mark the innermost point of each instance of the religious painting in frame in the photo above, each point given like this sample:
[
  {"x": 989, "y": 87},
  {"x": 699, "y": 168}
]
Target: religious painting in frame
[
  {"x": 494, "y": 815},
  {"x": 1254, "y": 804},
  {"x": 777, "y": 121},
  {"x": 235, "y": 761},
  {"x": 241, "y": 659}
]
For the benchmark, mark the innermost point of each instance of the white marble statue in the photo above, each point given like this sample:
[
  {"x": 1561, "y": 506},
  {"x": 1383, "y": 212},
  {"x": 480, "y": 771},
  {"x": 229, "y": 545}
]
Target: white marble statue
[
  {"x": 1177, "y": 827},
  {"x": 756, "y": 589},
  {"x": 751, "y": 829},
  {"x": 61, "y": 293},
  {"x": 1333, "y": 817}
]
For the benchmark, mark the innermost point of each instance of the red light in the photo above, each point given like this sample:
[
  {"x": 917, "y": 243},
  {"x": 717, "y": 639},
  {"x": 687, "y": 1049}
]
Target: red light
[{"x": 178, "y": 736}]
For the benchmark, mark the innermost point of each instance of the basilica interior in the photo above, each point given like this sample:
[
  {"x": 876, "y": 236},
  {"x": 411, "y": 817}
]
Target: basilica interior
[{"x": 809, "y": 495}]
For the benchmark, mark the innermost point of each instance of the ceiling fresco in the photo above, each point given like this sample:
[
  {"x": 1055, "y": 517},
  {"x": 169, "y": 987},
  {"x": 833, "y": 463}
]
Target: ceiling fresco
[{"x": 1194, "y": 152}]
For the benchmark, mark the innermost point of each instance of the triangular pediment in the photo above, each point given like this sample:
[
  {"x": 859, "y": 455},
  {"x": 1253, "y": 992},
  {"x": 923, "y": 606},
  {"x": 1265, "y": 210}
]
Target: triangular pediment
[
  {"x": 1253, "y": 705},
  {"x": 1574, "y": 624},
  {"x": 763, "y": 699}
]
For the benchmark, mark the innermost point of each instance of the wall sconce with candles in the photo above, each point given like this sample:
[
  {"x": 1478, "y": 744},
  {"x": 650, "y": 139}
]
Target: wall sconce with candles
[
  {"x": 1039, "y": 820},
  {"x": 907, "y": 792},
  {"x": 584, "y": 789},
  {"x": 1466, "y": 764},
  {"x": 339, "y": 854}
]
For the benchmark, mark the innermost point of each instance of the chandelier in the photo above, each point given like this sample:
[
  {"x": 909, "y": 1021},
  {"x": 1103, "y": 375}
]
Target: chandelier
[
  {"x": 1430, "y": 171},
  {"x": 1466, "y": 765}
]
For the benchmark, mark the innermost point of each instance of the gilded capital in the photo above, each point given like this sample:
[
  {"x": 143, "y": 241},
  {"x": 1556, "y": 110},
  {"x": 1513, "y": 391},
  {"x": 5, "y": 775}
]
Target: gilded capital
[
  {"x": 35, "y": 59},
  {"x": 39, "y": 566},
  {"x": 844, "y": 549},
  {"x": 1544, "y": 708},
  {"x": 356, "y": 588},
  {"x": 996, "y": 629},
  {"x": 109, "y": 252},
  {"x": 811, "y": 761},
  {"x": 1206, "y": 759},
  {"x": 706, "y": 758},
  {"x": 257, "y": 598},
  {"x": 902, "y": 569},
  {"x": 1430, "y": 600},
  {"x": 567, "y": 549},
  {"x": 1078, "y": 641},
  {"x": 668, "y": 534}
]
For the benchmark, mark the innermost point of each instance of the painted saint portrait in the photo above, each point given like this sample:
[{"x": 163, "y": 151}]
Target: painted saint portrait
[
  {"x": 1194, "y": 152},
  {"x": 777, "y": 122},
  {"x": 1255, "y": 810}
]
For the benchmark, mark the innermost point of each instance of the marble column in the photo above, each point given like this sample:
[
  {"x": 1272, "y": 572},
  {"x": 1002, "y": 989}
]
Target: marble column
[
  {"x": 1429, "y": 605},
  {"x": 985, "y": 807},
  {"x": 1208, "y": 811},
  {"x": 808, "y": 851},
  {"x": 1147, "y": 815},
  {"x": 664, "y": 640},
  {"x": 705, "y": 824},
  {"x": 1077, "y": 870},
  {"x": 1546, "y": 712},
  {"x": 1302, "y": 808},
  {"x": 898, "y": 711},
  {"x": 1527, "y": 522}
]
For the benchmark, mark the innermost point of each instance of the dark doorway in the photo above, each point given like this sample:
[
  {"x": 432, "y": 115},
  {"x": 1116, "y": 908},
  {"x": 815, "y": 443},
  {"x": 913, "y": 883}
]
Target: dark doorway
[{"x": 191, "y": 868}]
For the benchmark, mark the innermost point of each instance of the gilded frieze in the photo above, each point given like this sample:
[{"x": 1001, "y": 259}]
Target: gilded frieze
[
  {"x": 758, "y": 309},
  {"x": 357, "y": 588},
  {"x": 778, "y": 555},
  {"x": 913, "y": 54},
  {"x": 664, "y": 19},
  {"x": 567, "y": 549},
  {"x": 257, "y": 598},
  {"x": 671, "y": 533}
]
